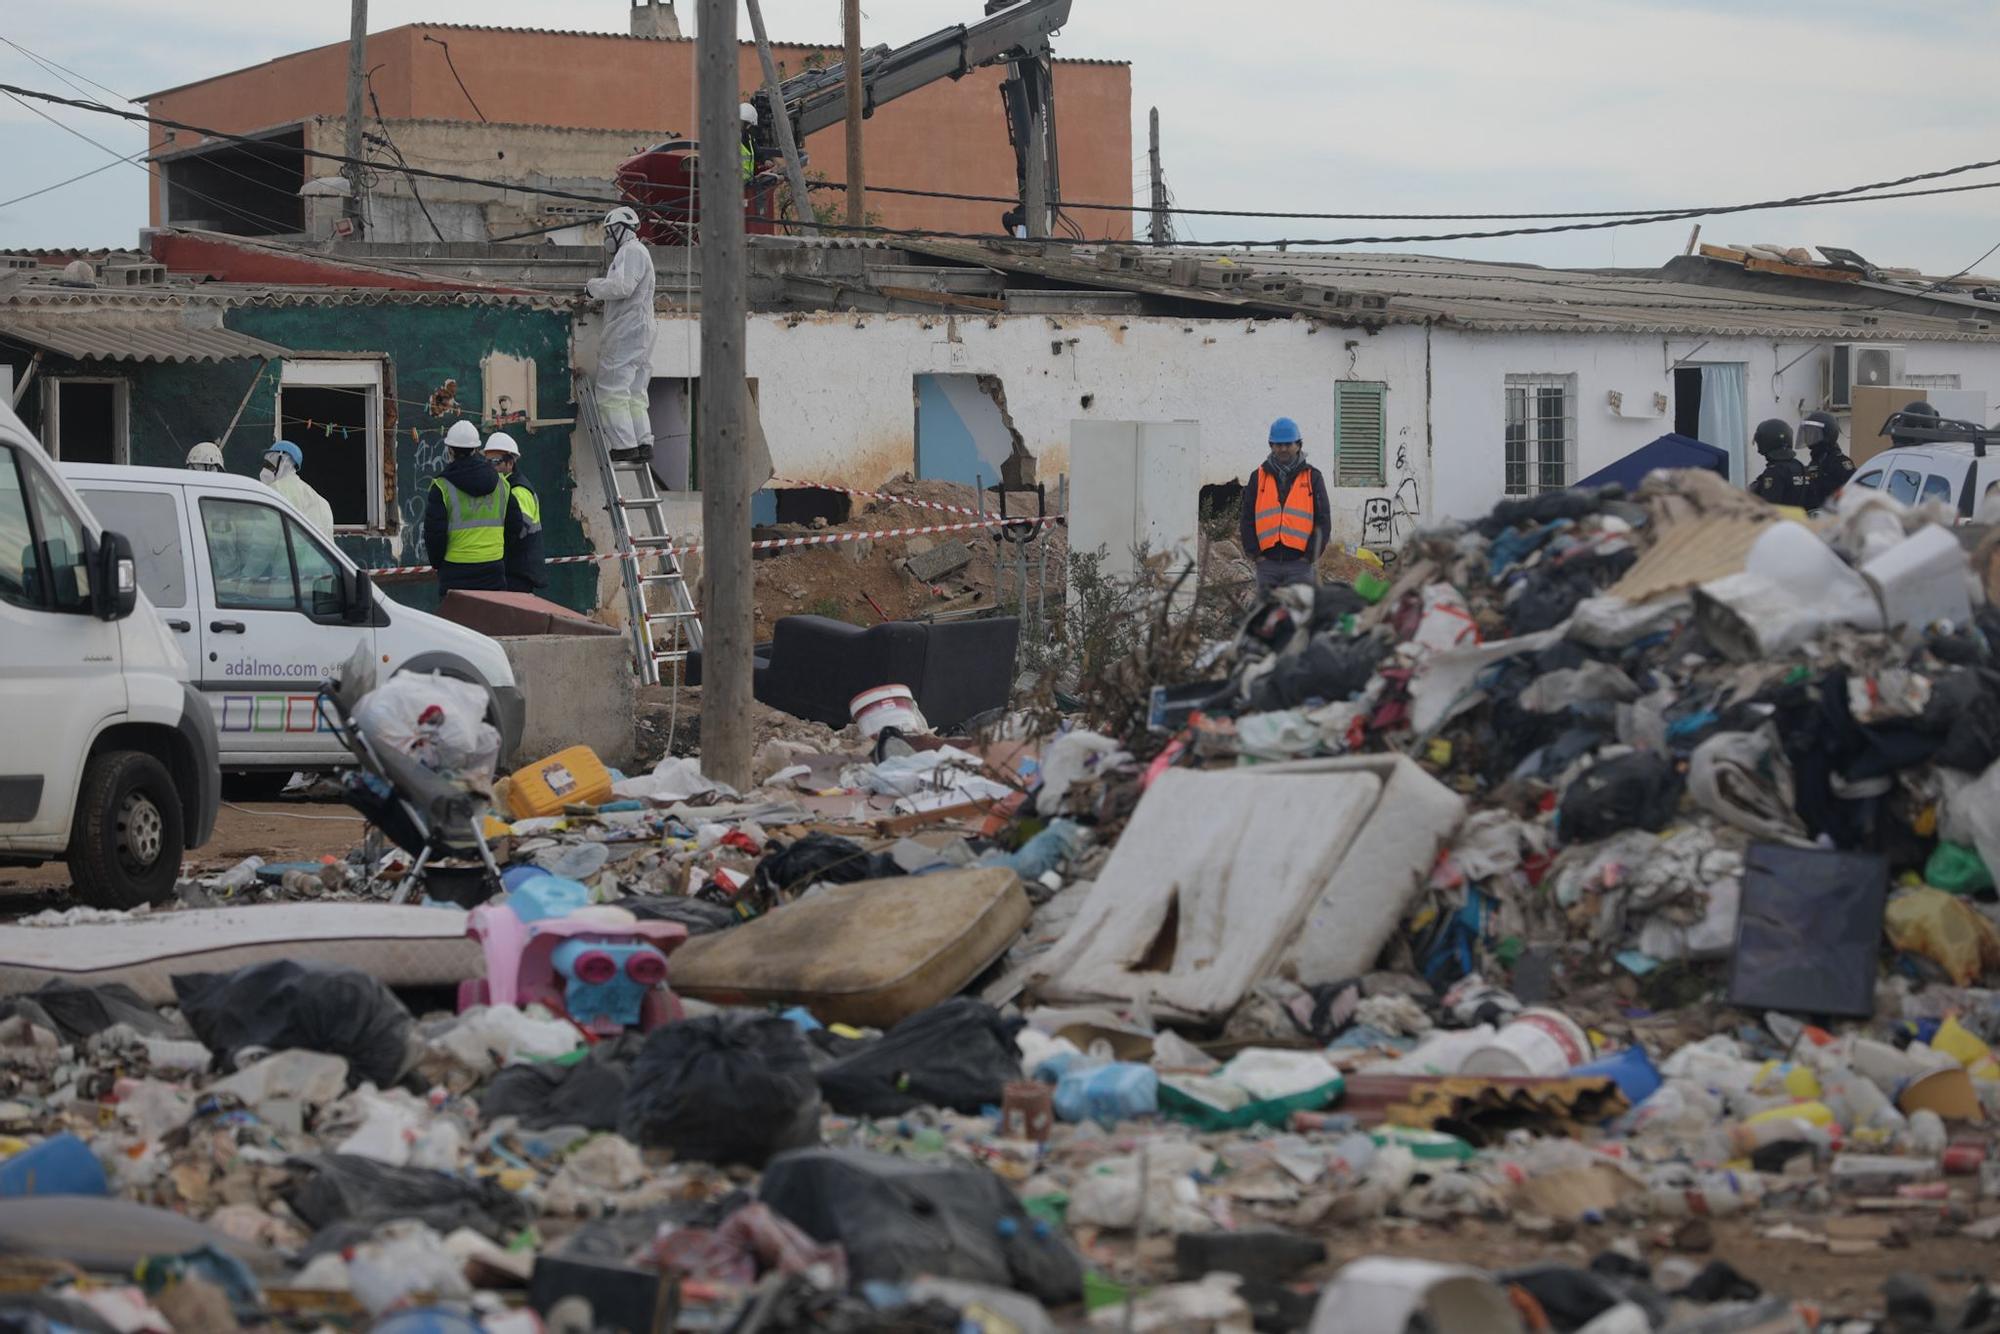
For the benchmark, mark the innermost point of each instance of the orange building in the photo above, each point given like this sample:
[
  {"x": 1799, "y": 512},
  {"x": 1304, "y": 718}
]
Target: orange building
[{"x": 617, "y": 94}]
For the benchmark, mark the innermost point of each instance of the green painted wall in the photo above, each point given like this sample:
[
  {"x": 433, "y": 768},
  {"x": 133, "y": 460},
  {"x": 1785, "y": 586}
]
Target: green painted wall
[{"x": 172, "y": 406}]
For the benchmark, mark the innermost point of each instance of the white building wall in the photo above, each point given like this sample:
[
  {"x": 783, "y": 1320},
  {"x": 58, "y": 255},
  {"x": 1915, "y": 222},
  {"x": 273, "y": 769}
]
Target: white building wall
[
  {"x": 1782, "y": 378},
  {"x": 836, "y": 391}
]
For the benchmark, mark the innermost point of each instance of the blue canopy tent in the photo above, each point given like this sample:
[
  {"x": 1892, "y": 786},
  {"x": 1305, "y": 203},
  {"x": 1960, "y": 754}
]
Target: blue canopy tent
[{"x": 1669, "y": 451}]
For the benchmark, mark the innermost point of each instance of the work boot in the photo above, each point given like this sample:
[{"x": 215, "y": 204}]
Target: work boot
[{"x": 636, "y": 454}]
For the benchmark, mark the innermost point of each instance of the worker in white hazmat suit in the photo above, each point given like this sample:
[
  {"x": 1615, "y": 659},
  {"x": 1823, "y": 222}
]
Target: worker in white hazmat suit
[
  {"x": 625, "y": 349},
  {"x": 281, "y": 473}
]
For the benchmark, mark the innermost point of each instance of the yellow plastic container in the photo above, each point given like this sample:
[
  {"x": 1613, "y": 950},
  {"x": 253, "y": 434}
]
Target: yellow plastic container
[
  {"x": 567, "y": 778},
  {"x": 1954, "y": 1041}
]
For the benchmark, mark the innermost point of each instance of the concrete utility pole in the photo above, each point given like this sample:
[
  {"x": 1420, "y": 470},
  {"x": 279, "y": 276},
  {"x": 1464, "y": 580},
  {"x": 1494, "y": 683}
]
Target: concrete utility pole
[
  {"x": 727, "y": 620},
  {"x": 801, "y": 200},
  {"x": 357, "y": 55},
  {"x": 1035, "y": 201},
  {"x": 1160, "y": 230},
  {"x": 857, "y": 204}
]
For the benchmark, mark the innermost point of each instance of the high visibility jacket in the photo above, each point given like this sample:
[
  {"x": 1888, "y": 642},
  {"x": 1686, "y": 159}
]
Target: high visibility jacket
[
  {"x": 530, "y": 503},
  {"x": 749, "y": 156},
  {"x": 1286, "y": 522},
  {"x": 477, "y": 524}
]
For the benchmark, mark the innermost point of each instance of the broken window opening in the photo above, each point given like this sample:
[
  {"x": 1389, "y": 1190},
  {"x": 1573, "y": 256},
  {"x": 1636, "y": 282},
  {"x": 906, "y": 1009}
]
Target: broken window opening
[
  {"x": 965, "y": 433},
  {"x": 85, "y": 419},
  {"x": 239, "y": 189},
  {"x": 332, "y": 410}
]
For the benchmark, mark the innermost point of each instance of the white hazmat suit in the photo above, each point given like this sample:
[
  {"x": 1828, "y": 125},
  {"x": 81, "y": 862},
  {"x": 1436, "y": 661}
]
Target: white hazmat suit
[
  {"x": 285, "y": 480},
  {"x": 625, "y": 350}
]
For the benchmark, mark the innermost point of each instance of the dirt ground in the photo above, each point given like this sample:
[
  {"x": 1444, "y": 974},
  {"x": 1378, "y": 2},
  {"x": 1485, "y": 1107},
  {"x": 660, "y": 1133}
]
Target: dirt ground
[{"x": 292, "y": 830}]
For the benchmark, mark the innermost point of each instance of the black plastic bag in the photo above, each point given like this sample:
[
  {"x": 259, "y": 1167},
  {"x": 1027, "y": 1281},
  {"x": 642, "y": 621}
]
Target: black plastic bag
[
  {"x": 1331, "y": 668},
  {"x": 1640, "y": 790},
  {"x": 75, "y": 1012},
  {"x": 339, "y": 1189},
  {"x": 589, "y": 1093},
  {"x": 319, "y": 1007},
  {"x": 898, "y": 1219},
  {"x": 820, "y": 858},
  {"x": 960, "y": 1055},
  {"x": 1809, "y": 930},
  {"x": 699, "y": 916},
  {"x": 723, "y": 1089}
]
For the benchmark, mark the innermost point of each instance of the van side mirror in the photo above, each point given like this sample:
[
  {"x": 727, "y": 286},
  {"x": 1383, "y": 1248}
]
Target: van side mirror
[
  {"x": 357, "y": 596},
  {"x": 114, "y": 579}
]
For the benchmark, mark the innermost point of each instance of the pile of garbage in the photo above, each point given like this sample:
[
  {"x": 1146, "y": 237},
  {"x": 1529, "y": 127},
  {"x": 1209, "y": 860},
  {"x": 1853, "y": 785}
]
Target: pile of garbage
[{"x": 1538, "y": 937}]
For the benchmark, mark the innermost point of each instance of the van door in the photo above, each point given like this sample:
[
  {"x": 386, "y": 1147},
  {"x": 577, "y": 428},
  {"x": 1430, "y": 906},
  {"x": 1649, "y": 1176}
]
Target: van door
[
  {"x": 61, "y": 671},
  {"x": 273, "y": 626},
  {"x": 154, "y": 518}
]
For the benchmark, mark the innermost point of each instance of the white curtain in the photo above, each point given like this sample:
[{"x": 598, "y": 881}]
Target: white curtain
[{"x": 1725, "y": 418}]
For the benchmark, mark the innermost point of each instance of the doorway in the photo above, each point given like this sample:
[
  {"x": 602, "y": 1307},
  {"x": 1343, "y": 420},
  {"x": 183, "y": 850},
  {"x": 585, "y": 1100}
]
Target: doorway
[{"x": 1710, "y": 405}]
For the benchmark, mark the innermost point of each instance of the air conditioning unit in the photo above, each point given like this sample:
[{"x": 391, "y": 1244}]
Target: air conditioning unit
[{"x": 1861, "y": 366}]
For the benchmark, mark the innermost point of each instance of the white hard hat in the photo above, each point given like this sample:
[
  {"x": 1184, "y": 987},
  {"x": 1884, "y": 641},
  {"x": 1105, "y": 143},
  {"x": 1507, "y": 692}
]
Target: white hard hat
[
  {"x": 462, "y": 435},
  {"x": 747, "y": 113},
  {"x": 502, "y": 443},
  {"x": 622, "y": 217},
  {"x": 205, "y": 457}
]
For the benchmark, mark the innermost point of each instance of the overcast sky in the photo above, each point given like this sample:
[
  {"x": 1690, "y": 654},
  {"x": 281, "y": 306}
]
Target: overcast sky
[{"x": 1440, "y": 106}]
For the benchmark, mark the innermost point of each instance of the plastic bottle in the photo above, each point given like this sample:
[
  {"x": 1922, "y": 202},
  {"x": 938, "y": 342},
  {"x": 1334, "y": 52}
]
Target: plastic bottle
[
  {"x": 1680, "y": 1192},
  {"x": 240, "y": 876},
  {"x": 1108, "y": 1093}
]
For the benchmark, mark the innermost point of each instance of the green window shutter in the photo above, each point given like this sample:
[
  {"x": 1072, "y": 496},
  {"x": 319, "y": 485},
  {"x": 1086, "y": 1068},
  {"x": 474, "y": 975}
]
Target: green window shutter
[{"x": 1360, "y": 433}]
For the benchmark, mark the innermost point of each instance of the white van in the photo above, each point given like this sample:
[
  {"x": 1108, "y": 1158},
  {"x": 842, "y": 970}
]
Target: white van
[
  {"x": 264, "y": 607},
  {"x": 1949, "y": 472},
  {"x": 107, "y": 756}
]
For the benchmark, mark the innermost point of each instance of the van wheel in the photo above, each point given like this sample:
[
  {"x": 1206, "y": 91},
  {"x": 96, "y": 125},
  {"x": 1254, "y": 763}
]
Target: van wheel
[{"x": 125, "y": 849}]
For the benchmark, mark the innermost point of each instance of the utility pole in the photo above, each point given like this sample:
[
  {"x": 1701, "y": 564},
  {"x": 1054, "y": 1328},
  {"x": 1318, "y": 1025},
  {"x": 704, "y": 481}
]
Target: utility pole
[
  {"x": 725, "y": 466},
  {"x": 801, "y": 201},
  {"x": 857, "y": 204},
  {"x": 357, "y": 55},
  {"x": 1160, "y": 228},
  {"x": 1035, "y": 199}
]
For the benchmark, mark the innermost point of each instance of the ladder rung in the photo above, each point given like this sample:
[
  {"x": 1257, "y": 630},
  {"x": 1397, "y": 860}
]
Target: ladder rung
[
  {"x": 675, "y": 578},
  {"x": 643, "y": 503},
  {"x": 652, "y": 540}
]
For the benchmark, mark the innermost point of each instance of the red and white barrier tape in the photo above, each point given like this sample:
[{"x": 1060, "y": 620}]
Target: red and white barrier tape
[
  {"x": 876, "y": 495},
  {"x": 769, "y": 544}
]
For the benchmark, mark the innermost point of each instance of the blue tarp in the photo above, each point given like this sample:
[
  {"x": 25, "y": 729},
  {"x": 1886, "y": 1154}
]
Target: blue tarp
[{"x": 1669, "y": 451}]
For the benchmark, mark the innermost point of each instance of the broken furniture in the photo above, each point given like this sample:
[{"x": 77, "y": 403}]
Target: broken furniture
[{"x": 815, "y": 665}]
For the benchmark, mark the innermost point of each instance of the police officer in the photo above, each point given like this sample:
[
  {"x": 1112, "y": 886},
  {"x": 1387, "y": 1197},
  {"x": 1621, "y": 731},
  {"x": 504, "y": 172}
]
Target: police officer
[
  {"x": 1287, "y": 517},
  {"x": 525, "y": 572},
  {"x": 1827, "y": 469},
  {"x": 465, "y": 517},
  {"x": 1783, "y": 481},
  {"x": 1917, "y": 415}
]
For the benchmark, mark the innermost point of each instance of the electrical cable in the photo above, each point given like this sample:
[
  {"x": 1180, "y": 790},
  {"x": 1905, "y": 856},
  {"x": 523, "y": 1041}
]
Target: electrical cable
[
  {"x": 1845, "y": 194},
  {"x": 453, "y": 67},
  {"x": 18, "y": 199},
  {"x": 1945, "y": 282},
  {"x": 373, "y": 101}
]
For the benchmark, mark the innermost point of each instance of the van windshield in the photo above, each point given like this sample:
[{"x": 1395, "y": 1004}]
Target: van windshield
[{"x": 151, "y": 521}]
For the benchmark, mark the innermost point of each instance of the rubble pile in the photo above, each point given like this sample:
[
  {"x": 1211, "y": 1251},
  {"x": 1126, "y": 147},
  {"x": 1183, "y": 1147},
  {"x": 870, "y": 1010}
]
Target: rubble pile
[{"x": 1582, "y": 926}]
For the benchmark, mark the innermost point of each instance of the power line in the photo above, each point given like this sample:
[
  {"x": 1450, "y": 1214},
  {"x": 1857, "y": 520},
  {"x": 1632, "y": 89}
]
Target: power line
[
  {"x": 1845, "y": 194},
  {"x": 449, "y": 64},
  {"x": 60, "y": 70},
  {"x": 81, "y": 176}
]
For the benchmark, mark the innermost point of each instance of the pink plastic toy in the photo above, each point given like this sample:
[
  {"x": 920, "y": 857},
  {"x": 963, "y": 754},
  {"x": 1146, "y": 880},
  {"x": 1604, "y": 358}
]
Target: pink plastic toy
[{"x": 598, "y": 965}]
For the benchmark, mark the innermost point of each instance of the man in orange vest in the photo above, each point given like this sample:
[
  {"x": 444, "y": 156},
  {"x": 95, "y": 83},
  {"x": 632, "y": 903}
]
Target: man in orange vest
[{"x": 1287, "y": 517}]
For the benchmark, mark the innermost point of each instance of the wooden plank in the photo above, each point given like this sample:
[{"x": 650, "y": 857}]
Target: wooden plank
[
  {"x": 1823, "y": 273},
  {"x": 935, "y": 298}
]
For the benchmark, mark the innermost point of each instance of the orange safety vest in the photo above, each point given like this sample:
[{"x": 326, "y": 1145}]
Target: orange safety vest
[{"x": 1289, "y": 524}]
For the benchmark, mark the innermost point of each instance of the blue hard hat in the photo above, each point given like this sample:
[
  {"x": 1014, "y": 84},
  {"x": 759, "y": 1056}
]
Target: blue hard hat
[
  {"x": 1285, "y": 431},
  {"x": 289, "y": 450}
]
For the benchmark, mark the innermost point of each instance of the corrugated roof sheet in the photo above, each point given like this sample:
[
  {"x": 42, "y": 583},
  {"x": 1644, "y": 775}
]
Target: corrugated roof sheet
[
  {"x": 130, "y": 335},
  {"x": 1468, "y": 294}
]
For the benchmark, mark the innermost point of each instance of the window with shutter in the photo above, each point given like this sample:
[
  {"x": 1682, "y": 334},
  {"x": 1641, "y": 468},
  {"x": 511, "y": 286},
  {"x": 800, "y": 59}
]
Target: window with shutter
[{"x": 1360, "y": 433}]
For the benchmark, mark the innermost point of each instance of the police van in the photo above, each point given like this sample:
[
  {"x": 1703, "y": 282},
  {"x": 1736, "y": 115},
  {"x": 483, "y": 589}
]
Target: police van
[
  {"x": 108, "y": 758},
  {"x": 264, "y": 607},
  {"x": 1935, "y": 460}
]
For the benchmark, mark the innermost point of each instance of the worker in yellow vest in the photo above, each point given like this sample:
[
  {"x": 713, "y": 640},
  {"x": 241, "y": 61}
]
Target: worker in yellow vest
[
  {"x": 465, "y": 517},
  {"x": 1287, "y": 517},
  {"x": 525, "y": 570}
]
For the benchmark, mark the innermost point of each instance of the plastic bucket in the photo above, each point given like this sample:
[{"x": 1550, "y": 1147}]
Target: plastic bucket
[
  {"x": 1630, "y": 1069},
  {"x": 59, "y": 1165},
  {"x": 1535, "y": 1042},
  {"x": 886, "y": 706}
]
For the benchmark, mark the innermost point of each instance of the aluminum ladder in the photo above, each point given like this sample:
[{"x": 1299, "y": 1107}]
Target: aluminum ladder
[{"x": 659, "y": 607}]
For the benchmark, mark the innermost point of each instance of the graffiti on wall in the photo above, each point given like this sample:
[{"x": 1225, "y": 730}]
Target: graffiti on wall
[{"x": 1387, "y": 520}]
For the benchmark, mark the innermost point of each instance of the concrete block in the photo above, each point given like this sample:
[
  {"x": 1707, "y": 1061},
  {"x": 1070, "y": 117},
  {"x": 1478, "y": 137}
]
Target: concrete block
[
  {"x": 934, "y": 564},
  {"x": 580, "y": 691}
]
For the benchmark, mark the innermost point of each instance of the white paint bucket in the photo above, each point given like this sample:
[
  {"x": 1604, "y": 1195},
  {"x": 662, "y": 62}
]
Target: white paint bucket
[
  {"x": 887, "y": 706},
  {"x": 1534, "y": 1042}
]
